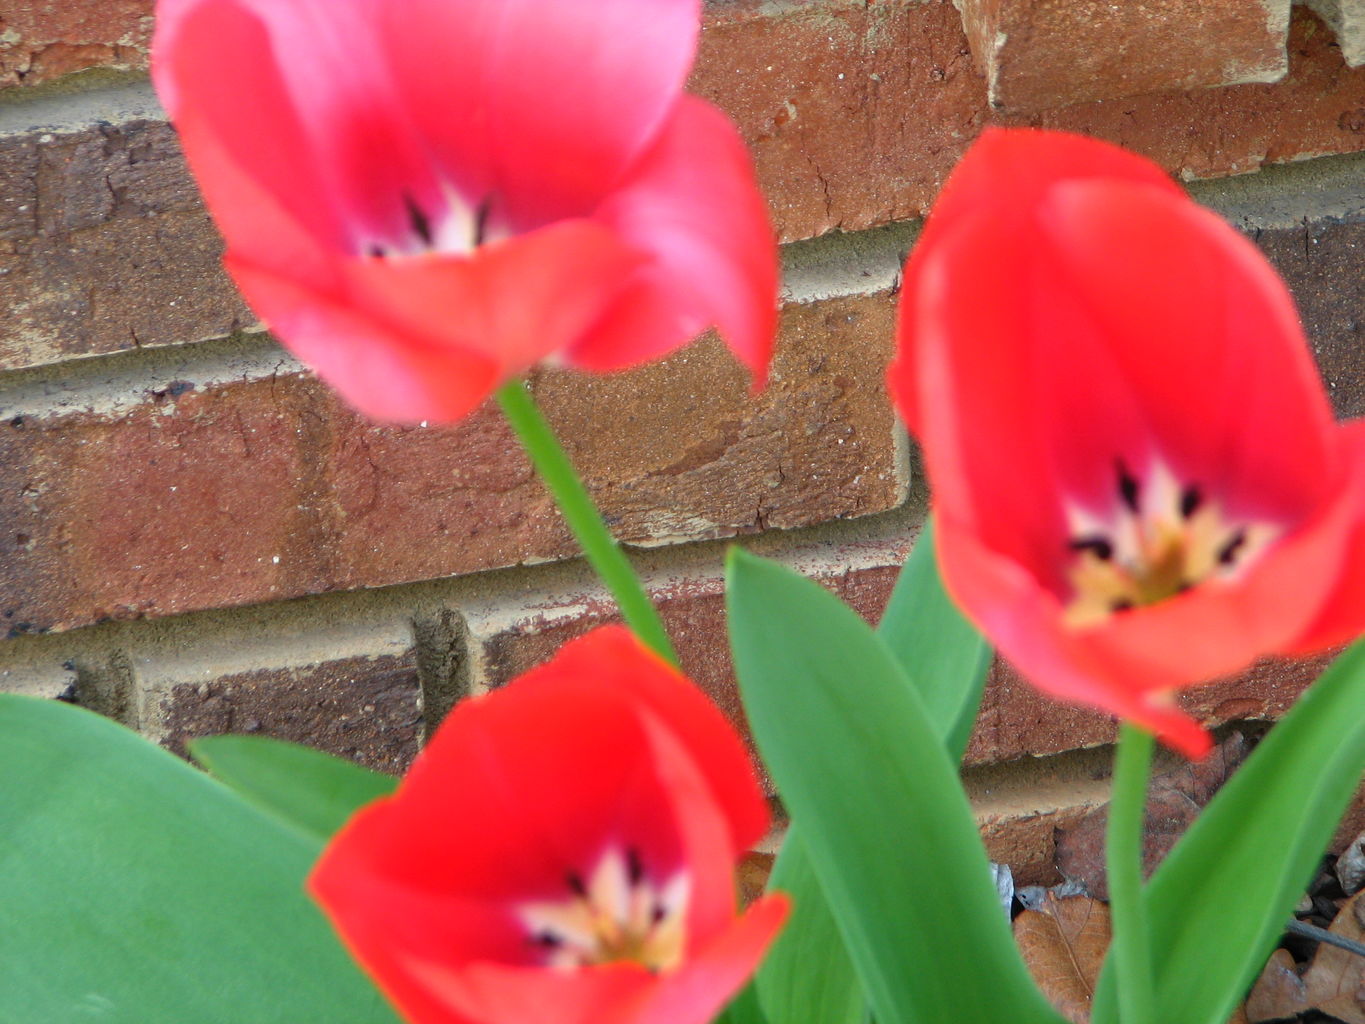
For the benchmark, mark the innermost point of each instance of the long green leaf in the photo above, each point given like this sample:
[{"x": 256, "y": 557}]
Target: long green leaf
[
  {"x": 1218, "y": 903},
  {"x": 139, "y": 891},
  {"x": 807, "y": 978},
  {"x": 310, "y": 790},
  {"x": 887, "y": 825},
  {"x": 942, "y": 654}
]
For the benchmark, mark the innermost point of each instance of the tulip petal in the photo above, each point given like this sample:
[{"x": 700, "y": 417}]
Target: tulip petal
[
  {"x": 375, "y": 367},
  {"x": 428, "y": 337},
  {"x": 615, "y": 657},
  {"x": 691, "y": 202},
  {"x": 1342, "y": 617},
  {"x": 715, "y": 972},
  {"x": 1014, "y": 169},
  {"x": 501, "y": 87},
  {"x": 519, "y": 792},
  {"x": 1025, "y": 623},
  {"x": 1004, "y": 175},
  {"x": 223, "y": 120},
  {"x": 1205, "y": 336},
  {"x": 980, "y": 428}
]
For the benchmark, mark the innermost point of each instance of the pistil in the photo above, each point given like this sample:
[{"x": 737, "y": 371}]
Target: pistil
[
  {"x": 1160, "y": 540},
  {"x": 618, "y": 915}
]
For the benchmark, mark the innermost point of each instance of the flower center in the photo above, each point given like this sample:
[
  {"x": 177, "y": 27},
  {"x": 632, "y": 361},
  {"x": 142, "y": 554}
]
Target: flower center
[
  {"x": 1160, "y": 540},
  {"x": 452, "y": 226},
  {"x": 618, "y": 914}
]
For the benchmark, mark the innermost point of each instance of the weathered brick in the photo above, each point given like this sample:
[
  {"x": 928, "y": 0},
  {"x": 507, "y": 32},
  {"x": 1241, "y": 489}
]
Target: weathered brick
[
  {"x": 1347, "y": 20},
  {"x": 44, "y": 39},
  {"x": 856, "y": 112},
  {"x": 1038, "y": 54},
  {"x": 509, "y": 633},
  {"x": 1018, "y": 721},
  {"x": 1321, "y": 261},
  {"x": 104, "y": 243},
  {"x": 210, "y": 491},
  {"x": 38, "y": 677},
  {"x": 350, "y": 689}
]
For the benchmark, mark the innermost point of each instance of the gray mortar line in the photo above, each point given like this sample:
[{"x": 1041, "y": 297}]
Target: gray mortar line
[
  {"x": 299, "y": 630},
  {"x": 846, "y": 264},
  {"x": 62, "y": 111},
  {"x": 114, "y": 383},
  {"x": 1324, "y": 188}
]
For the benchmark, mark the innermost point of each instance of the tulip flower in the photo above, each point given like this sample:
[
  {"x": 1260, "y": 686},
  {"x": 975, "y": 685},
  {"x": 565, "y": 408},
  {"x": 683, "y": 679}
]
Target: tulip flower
[
  {"x": 562, "y": 852},
  {"x": 425, "y": 198},
  {"x": 1138, "y": 482}
]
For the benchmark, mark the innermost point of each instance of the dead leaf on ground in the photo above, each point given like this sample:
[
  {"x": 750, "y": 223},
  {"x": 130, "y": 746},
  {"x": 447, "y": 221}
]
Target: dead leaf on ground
[
  {"x": 1333, "y": 983},
  {"x": 1064, "y": 942},
  {"x": 1175, "y": 800},
  {"x": 1336, "y": 979}
]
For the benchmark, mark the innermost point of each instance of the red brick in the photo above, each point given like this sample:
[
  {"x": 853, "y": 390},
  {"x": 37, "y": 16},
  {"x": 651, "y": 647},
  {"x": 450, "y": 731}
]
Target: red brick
[
  {"x": 203, "y": 495},
  {"x": 1038, "y": 54},
  {"x": 513, "y": 631},
  {"x": 105, "y": 245},
  {"x": 43, "y": 39},
  {"x": 884, "y": 99},
  {"x": 1017, "y": 721},
  {"x": 354, "y": 692}
]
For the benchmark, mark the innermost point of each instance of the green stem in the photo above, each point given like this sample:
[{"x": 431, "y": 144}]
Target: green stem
[
  {"x": 602, "y": 552},
  {"x": 1130, "y": 946}
]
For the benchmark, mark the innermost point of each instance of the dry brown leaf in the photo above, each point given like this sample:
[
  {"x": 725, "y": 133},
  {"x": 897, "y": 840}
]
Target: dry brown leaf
[
  {"x": 1279, "y": 993},
  {"x": 1334, "y": 982},
  {"x": 1175, "y": 800},
  {"x": 1063, "y": 943},
  {"x": 1336, "y": 979}
]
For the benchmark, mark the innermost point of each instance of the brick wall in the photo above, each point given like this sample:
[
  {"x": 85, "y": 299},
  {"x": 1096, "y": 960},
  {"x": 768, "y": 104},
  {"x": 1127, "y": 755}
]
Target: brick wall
[{"x": 198, "y": 538}]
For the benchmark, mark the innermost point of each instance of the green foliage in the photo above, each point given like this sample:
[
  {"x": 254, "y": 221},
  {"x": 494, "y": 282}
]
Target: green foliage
[
  {"x": 310, "y": 790},
  {"x": 1218, "y": 903},
  {"x": 139, "y": 890},
  {"x": 862, "y": 768},
  {"x": 807, "y": 976}
]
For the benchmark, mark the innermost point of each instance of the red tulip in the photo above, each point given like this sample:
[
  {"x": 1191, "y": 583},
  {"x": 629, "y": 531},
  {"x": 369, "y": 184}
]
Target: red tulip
[
  {"x": 561, "y": 853},
  {"x": 425, "y": 198},
  {"x": 1137, "y": 479}
]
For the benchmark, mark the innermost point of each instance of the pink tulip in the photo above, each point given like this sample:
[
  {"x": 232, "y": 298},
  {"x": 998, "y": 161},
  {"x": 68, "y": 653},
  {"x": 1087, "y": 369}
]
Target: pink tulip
[
  {"x": 1137, "y": 479},
  {"x": 561, "y": 853},
  {"x": 425, "y": 198}
]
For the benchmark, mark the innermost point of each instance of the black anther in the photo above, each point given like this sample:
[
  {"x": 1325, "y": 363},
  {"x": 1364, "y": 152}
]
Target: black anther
[
  {"x": 1101, "y": 547},
  {"x": 1227, "y": 554},
  {"x": 1190, "y": 500},
  {"x": 1128, "y": 486},
  {"x": 417, "y": 219}
]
